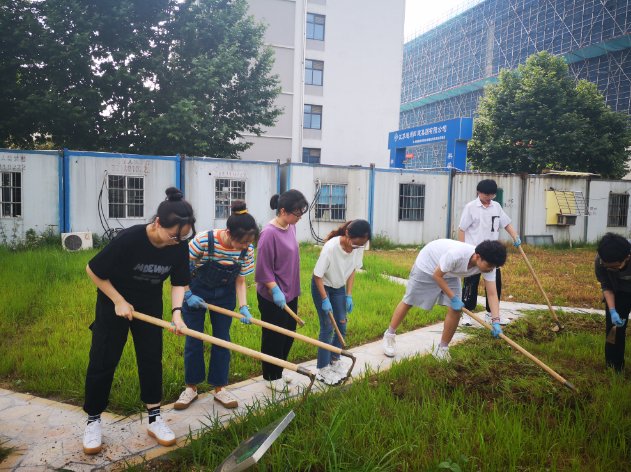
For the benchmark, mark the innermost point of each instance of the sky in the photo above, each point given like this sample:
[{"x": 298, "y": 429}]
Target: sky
[{"x": 421, "y": 13}]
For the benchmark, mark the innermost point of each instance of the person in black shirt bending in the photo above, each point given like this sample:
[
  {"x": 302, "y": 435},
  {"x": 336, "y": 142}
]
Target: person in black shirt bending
[
  {"x": 129, "y": 273},
  {"x": 613, "y": 271}
]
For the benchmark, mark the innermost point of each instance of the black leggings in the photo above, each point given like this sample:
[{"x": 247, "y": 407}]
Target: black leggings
[
  {"x": 470, "y": 290},
  {"x": 614, "y": 353},
  {"x": 273, "y": 343},
  {"x": 109, "y": 335}
]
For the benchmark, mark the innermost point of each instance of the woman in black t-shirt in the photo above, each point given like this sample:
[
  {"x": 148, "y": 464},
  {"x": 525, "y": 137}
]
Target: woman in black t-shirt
[{"x": 129, "y": 273}]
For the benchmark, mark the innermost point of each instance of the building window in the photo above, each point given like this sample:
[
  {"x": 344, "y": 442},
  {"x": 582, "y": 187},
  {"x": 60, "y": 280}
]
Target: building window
[
  {"x": 331, "y": 204},
  {"x": 226, "y": 192},
  {"x": 313, "y": 72},
  {"x": 313, "y": 117},
  {"x": 411, "y": 202},
  {"x": 11, "y": 203},
  {"x": 126, "y": 196},
  {"x": 315, "y": 27},
  {"x": 311, "y": 155},
  {"x": 618, "y": 209}
]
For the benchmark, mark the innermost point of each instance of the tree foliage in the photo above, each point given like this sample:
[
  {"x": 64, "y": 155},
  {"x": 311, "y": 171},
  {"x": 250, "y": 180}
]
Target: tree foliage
[
  {"x": 145, "y": 76},
  {"x": 537, "y": 117}
]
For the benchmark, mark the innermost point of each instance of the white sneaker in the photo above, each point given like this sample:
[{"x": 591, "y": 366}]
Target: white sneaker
[
  {"x": 227, "y": 399},
  {"x": 92, "y": 438},
  {"x": 465, "y": 320},
  {"x": 287, "y": 378},
  {"x": 441, "y": 353},
  {"x": 161, "y": 432},
  {"x": 340, "y": 367},
  {"x": 187, "y": 397},
  {"x": 278, "y": 386},
  {"x": 389, "y": 344},
  {"x": 328, "y": 376}
]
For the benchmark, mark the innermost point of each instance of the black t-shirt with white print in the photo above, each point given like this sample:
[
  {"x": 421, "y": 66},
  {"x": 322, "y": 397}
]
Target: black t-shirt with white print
[{"x": 137, "y": 269}]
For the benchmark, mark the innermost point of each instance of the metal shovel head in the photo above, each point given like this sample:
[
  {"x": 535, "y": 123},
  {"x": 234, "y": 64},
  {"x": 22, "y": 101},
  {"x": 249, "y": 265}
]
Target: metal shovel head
[
  {"x": 611, "y": 336},
  {"x": 252, "y": 449}
]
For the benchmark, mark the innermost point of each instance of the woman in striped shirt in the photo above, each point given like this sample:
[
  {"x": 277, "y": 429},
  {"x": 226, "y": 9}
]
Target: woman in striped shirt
[{"x": 219, "y": 259}]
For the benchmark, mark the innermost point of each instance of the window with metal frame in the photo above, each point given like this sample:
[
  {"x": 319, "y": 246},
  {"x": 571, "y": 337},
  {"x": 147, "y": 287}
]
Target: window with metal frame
[
  {"x": 226, "y": 192},
  {"x": 315, "y": 26},
  {"x": 11, "y": 195},
  {"x": 331, "y": 205},
  {"x": 411, "y": 202},
  {"x": 313, "y": 72},
  {"x": 311, "y": 155},
  {"x": 126, "y": 196},
  {"x": 313, "y": 117},
  {"x": 618, "y": 210}
]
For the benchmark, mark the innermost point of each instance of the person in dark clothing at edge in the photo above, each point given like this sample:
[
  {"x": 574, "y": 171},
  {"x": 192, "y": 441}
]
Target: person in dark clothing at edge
[
  {"x": 613, "y": 271},
  {"x": 129, "y": 273}
]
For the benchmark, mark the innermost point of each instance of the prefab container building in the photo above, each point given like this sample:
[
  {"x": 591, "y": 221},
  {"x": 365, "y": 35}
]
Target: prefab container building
[{"x": 31, "y": 193}]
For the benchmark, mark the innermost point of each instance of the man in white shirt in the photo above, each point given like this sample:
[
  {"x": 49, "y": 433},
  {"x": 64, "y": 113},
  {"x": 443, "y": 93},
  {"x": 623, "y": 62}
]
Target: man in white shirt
[
  {"x": 481, "y": 220},
  {"x": 436, "y": 277}
]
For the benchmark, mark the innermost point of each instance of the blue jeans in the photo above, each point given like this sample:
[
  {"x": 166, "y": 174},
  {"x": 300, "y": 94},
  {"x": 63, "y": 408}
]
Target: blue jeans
[
  {"x": 337, "y": 297},
  {"x": 194, "y": 366}
]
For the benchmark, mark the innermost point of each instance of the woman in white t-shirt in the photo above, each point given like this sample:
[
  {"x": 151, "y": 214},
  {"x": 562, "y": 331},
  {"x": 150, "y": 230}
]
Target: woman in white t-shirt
[{"x": 332, "y": 287}]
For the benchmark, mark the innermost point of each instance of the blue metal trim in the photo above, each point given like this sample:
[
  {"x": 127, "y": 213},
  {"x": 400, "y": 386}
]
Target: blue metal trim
[
  {"x": 449, "y": 203},
  {"x": 60, "y": 196},
  {"x": 231, "y": 161},
  {"x": 415, "y": 171},
  {"x": 66, "y": 159},
  {"x": 111, "y": 155},
  {"x": 178, "y": 175},
  {"x": 22, "y": 151},
  {"x": 371, "y": 196}
]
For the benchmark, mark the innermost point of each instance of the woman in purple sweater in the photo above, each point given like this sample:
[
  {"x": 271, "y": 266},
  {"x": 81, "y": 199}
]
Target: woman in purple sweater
[{"x": 277, "y": 276}]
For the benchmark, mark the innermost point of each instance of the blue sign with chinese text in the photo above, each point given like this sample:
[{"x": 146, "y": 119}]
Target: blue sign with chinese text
[{"x": 456, "y": 132}]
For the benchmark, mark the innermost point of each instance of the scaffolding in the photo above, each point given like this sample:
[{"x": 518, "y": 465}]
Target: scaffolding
[{"x": 445, "y": 69}]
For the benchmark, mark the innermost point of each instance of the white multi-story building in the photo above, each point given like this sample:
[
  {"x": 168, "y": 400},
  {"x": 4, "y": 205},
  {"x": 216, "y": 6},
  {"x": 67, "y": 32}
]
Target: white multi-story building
[{"x": 339, "y": 64}]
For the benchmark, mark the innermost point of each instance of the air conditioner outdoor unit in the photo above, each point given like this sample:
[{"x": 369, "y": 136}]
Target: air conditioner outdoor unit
[
  {"x": 76, "y": 241},
  {"x": 566, "y": 220}
]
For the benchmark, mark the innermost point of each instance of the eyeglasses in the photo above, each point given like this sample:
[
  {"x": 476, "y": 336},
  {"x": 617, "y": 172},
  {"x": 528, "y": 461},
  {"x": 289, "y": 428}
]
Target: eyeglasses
[
  {"x": 178, "y": 238},
  {"x": 298, "y": 213}
]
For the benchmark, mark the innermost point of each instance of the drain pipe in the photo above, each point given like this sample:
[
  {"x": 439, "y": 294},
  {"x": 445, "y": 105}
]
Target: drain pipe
[{"x": 452, "y": 173}]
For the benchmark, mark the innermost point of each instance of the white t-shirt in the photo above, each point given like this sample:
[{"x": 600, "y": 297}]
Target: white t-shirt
[
  {"x": 452, "y": 256},
  {"x": 480, "y": 223},
  {"x": 335, "y": 265}
]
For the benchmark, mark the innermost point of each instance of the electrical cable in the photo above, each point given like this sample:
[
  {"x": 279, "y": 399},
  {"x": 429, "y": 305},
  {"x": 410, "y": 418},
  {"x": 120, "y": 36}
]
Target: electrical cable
[{"x": 314, "y": 234}]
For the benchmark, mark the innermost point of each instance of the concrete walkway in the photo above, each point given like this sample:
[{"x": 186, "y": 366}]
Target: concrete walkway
[{"x": 48, "y": 434}]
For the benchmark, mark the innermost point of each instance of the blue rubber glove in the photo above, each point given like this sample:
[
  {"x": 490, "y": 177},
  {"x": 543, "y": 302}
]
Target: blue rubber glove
[
  {"x": 456, "y": 303},
  {"x": 497, "y": 329},
  {"x": 326, "y": 305},
  {"x": 245, "y": 311},
  {"x": 279, "y": 297},
  {"x": 517, "y": 242},
  {"x": 349, "y": 304},
  {"x": 193, "y": 301},
  {"x": 615, "y": 318}
]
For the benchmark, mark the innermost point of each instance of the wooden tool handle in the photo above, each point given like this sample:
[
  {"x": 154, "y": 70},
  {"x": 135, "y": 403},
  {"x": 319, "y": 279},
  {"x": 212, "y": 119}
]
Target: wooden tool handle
[
  {"x": 299, "y": 320},
  {"x": 337, "y": 330}
]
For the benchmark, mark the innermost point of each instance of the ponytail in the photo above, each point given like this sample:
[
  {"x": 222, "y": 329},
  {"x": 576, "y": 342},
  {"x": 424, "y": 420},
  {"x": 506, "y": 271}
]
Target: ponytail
[
  {"x": 175, "y": 211},
  {"x": 355, "y": 228},
  {"x": 240, "y": 223}
]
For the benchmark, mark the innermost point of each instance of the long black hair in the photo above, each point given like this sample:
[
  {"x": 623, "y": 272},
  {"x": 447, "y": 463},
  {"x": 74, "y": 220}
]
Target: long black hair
[
  {"x": 291, "y": 201},
  {"x": 175, "y": 211},
  {"x": 240, "y": 223},
  {"x": 355, "y": 228}
]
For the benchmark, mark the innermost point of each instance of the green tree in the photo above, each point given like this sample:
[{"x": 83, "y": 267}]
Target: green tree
[
  {"x": 537, "y": 117},
  {"x": 145, "y": 76}
]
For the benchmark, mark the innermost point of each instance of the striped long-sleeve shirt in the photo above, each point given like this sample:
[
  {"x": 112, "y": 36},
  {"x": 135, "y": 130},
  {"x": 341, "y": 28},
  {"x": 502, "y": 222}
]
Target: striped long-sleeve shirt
[{"x": 198, "y": 253}]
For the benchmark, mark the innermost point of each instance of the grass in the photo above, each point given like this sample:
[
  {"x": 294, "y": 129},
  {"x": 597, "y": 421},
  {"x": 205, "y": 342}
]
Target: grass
[
  {"x": 489, "y": 409},
  {"x": 49, "y": 305},
  {"x": 567, "y": 275}
]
